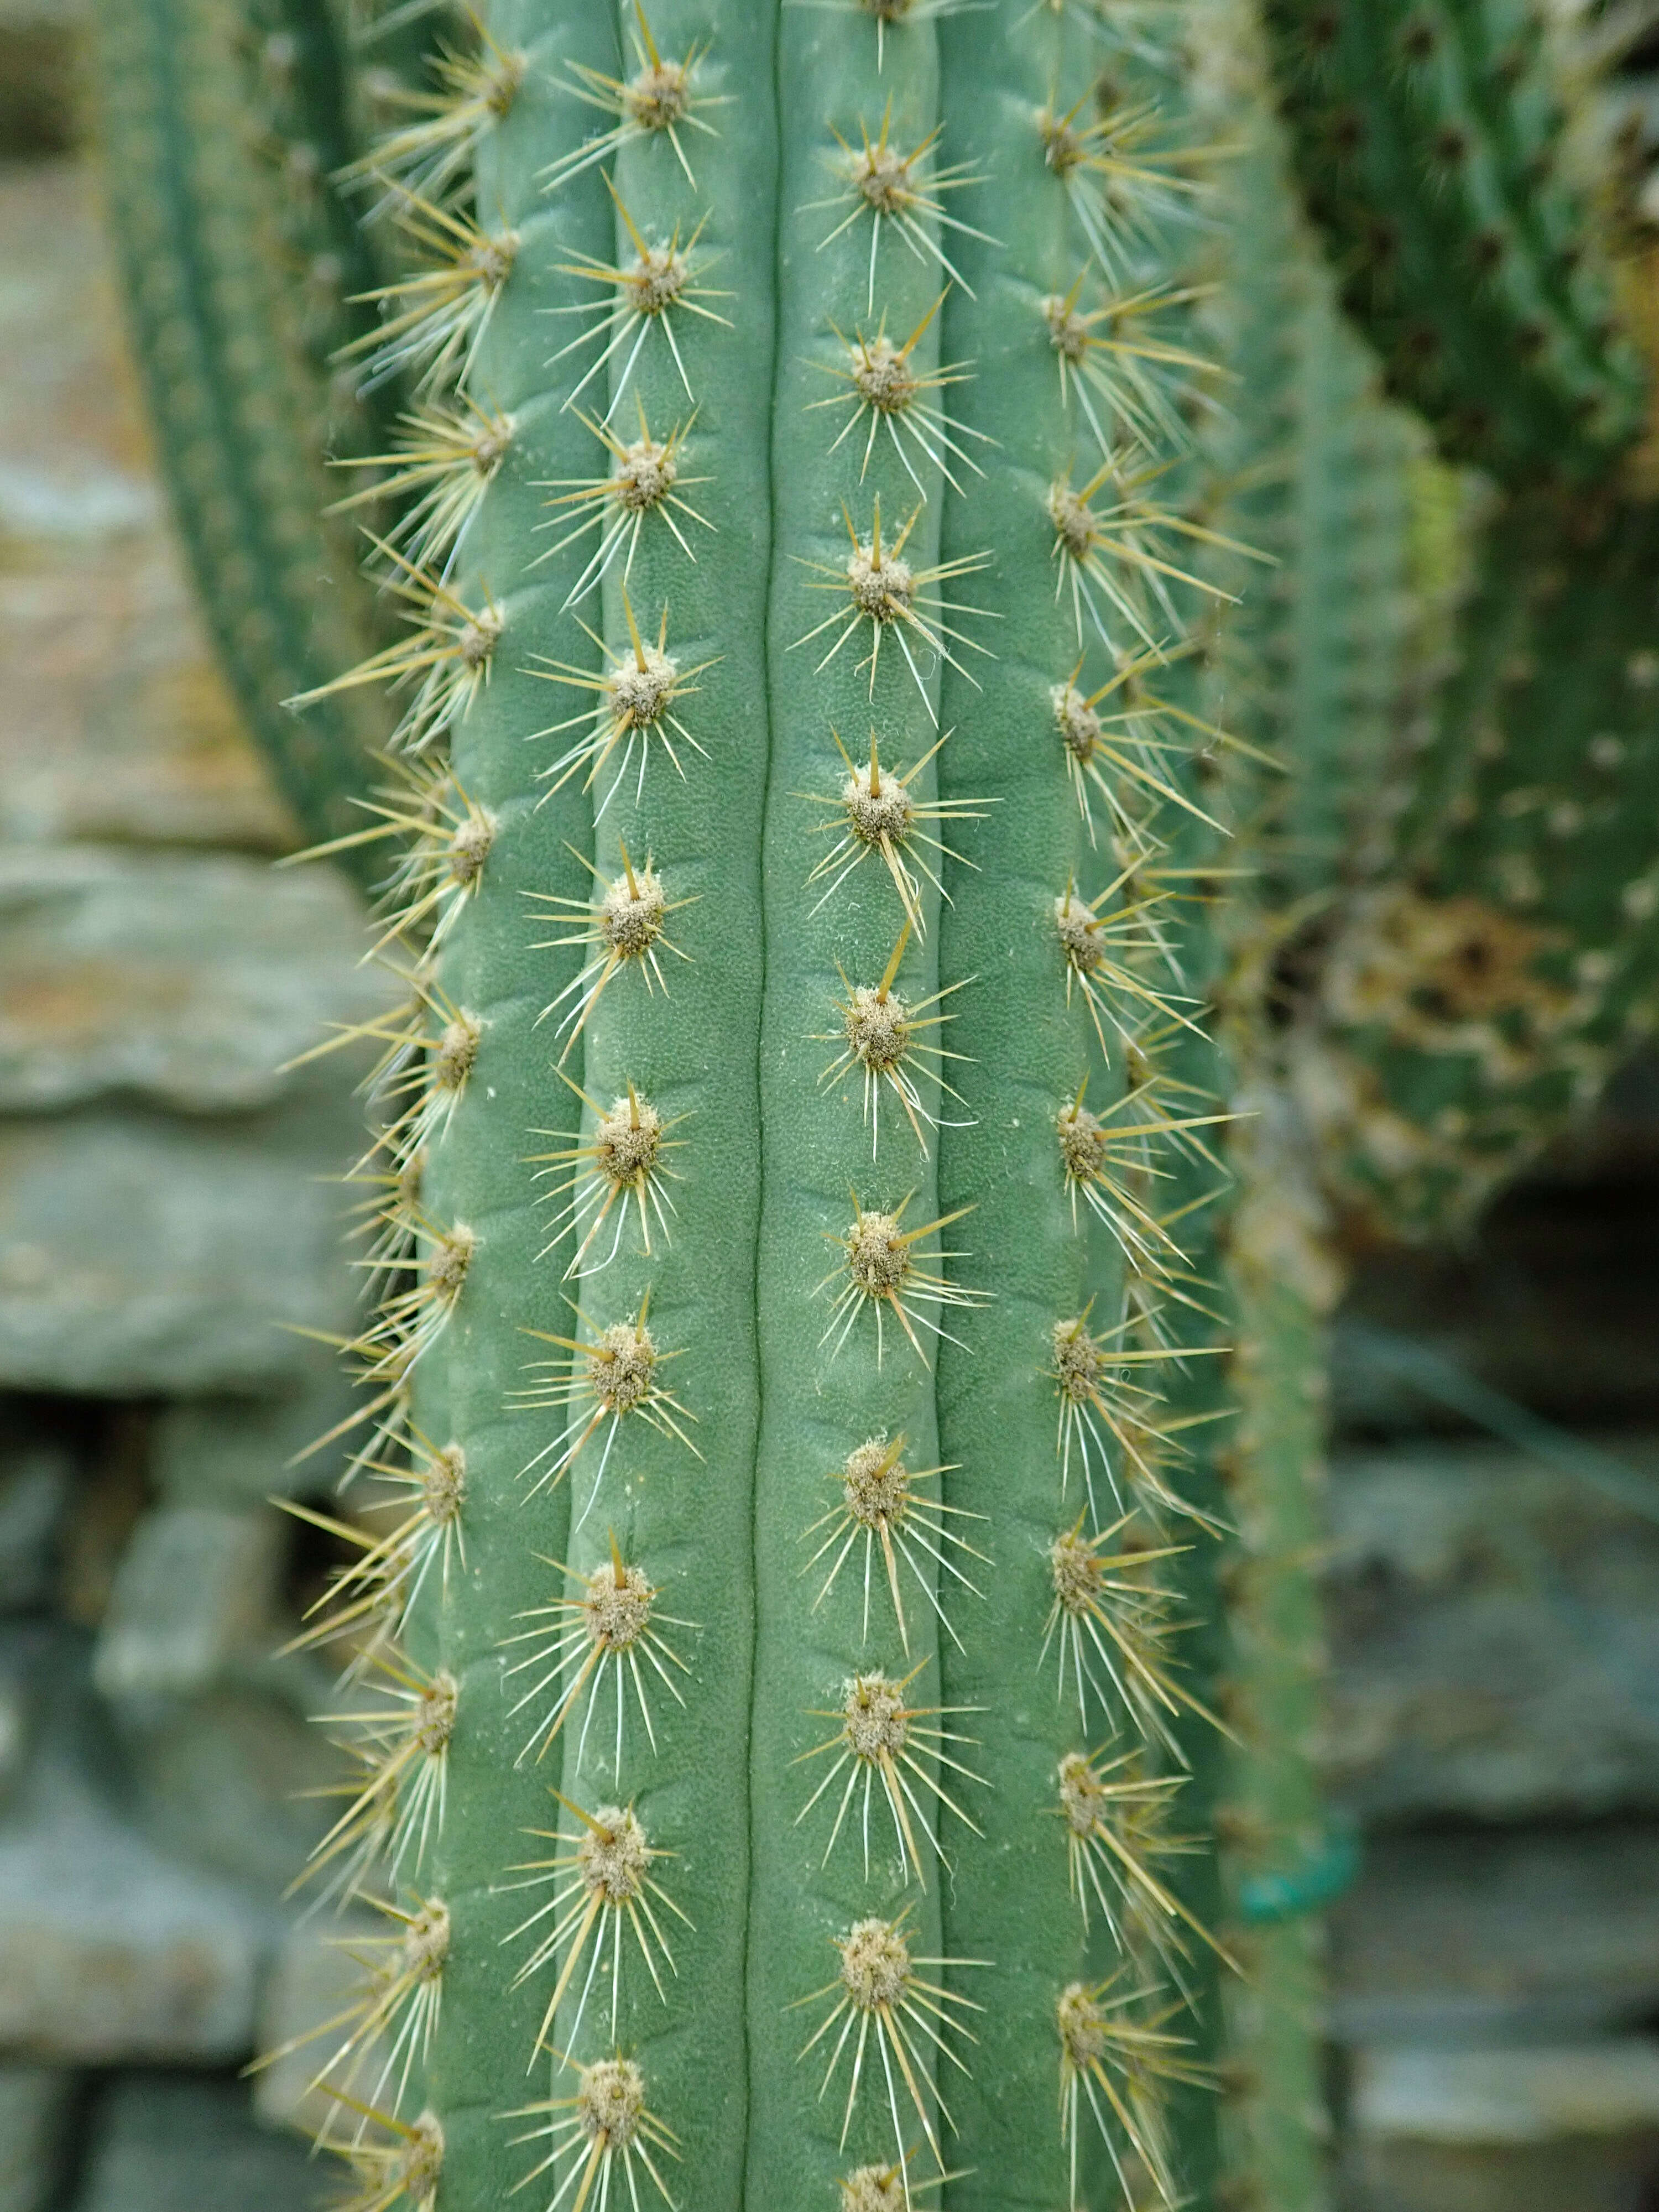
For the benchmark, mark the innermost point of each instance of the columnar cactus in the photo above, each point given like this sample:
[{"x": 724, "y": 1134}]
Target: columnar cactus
[
  {"x": 221, "y": 128},
  {"x": 778, "y": 1717},
  {"x": 1433, "y": 143}
]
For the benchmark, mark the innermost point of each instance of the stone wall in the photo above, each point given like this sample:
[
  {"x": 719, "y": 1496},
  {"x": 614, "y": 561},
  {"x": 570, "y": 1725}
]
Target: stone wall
[{"x": 167, "y": 1220}]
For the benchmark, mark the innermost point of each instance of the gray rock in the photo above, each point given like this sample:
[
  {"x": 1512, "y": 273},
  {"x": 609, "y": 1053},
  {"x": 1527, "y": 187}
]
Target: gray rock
[
  {"x": 1493, "y": 1636},
  {"x": 142, "y": 1256},
  {"x": 225, "y": 1765},
  {"x": 1571, "y": 2129},
  {"x": 223, "y": 1451},
  {"x": 195, "y": 1596},
  {"x": 34, "y": 2112},
  {"x": 111, "y": 1954},
  {"x": 34, "y": 1492},
  {"x": 230, "y": 1781},
  {"x": 27, "y": 1650},
  {"x": 162, "y": 2144},
  {"x": 1509, "y": 2096},
  {"x": 185, "y": 980},
  {"x": 1541, "y": 1936},
  {"x": 315, "y": 1978}
]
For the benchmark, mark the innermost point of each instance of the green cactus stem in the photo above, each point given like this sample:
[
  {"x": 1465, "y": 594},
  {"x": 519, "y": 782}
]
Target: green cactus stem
[
  {"x": 221, "y": 127},
  {"x": 773, "y": 1794}
]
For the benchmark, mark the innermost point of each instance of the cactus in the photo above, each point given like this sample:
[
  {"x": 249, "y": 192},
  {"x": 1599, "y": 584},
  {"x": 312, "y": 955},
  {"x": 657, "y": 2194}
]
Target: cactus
[
  {"x": 1436, "y": 606},
  {"x": 1433, "y": 144},
  {"x": 222, "y": 130},
  {"x": 781, "y": 1731}
]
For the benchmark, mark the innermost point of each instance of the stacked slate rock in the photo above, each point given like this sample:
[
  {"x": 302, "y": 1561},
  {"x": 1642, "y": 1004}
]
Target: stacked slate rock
[{"x": 169, "y": 1218}]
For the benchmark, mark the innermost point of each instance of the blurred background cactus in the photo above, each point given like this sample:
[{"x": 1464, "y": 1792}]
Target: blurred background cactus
[{"x": 1402, "y": 354}]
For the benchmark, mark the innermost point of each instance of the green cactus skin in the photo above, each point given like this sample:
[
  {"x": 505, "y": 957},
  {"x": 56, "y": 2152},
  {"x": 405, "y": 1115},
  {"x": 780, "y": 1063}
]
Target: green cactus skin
[
  {"x": 1009, "y": 1903},
  {"x": 733, "y": 1988},
  {"x": 681, "y": 1506},
  {"x": 1428, "y": 139},
  {"x": 497, "y": 965},
  {"x": 792, "y": 2020},
  {"x": 1313, "y": 669},
  {"x": 840, "y": 80},
  {"x": 237, "y": 265},
  {"x": 1283, "y": 1283}
]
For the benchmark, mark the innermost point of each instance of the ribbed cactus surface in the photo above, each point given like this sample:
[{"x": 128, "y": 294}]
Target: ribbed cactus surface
[{"x": 781, "y": 1721}]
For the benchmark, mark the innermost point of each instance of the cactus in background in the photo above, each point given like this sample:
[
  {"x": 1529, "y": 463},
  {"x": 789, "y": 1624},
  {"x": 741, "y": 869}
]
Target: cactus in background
[
  {"x": 1433, "y": 144},
  {"x": 221, "y": 128},
  {"x": 781, "y": 1727},
  {"x": 1482, "y": 984},
  {"x": 1410, "y": 1011}
]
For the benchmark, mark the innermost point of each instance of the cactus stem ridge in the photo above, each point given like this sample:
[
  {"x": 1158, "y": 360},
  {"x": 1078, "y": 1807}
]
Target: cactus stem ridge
[
  {"x": 647, "y": 478},
  {"x": 881, "y": 1270},
  {"x": 878, "y": 814},
  {"x": 660, "y": 280},
  {"x": 449, "y": 650},
  {"x": 604, "y": 2124},
  {"x": 881, "y": 382},
  {"x": 880, "y": 1035},
  {"x": 626, "y": 927},
  {"x": 879, "y": 1503},
  {"x": 443, "y": 459},
  {"x": 1108, "y": 1620},
  {"x": 618, "y": 1372},
  {"x": 604, "y": 1632},
  {"x": 622, "y": 1159},
  {"x": 883, "y": 588},
  {"x": 661, "y": 97},
  {"x": 637, "y": 694},
  {"x": 437, "y": 318}
]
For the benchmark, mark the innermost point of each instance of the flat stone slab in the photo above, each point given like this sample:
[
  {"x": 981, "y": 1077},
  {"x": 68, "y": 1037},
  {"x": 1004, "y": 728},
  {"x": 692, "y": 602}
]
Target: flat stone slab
[
  {"x": 185, "y": 982},
  {"x": 163, "y": 2144},
  {"x": 114, "y": 722},
  {"x": 1493, "y": 1637},
  {"x": 141, "y": 1256},
  {"x": 1509, "y": 2096},
  {"x": 1548, "y": 1935},
  {"x": 110, "y": 1953}
]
